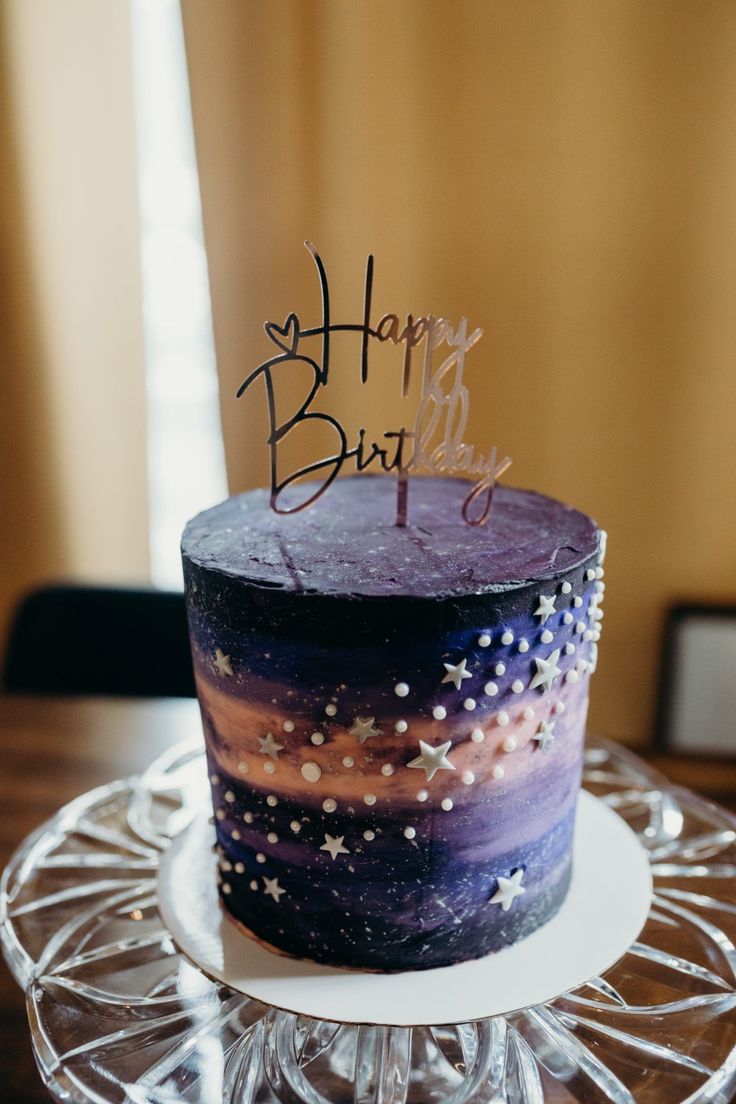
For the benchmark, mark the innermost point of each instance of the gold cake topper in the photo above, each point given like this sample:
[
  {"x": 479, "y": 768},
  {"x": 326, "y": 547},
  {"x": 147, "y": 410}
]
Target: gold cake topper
[{"x": 435, "y": 443}]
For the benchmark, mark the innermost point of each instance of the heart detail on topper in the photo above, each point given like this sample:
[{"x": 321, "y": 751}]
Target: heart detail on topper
[{"x": 286, "y": 336}]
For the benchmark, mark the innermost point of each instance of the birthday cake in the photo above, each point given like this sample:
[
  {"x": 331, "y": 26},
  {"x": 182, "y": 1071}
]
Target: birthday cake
[{"x": 394, "y": 715}]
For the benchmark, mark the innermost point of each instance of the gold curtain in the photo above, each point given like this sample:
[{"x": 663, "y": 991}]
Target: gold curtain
[
  {"x": 73, "y": 497},
  {"x": 563, "y": 173}
]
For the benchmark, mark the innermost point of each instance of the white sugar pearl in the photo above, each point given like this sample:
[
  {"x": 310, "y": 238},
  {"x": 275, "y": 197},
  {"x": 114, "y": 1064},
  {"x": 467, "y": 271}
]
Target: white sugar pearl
[
  {"x": 220, "y": 814},
  {"x": 558, "y": 707},
  {"x": 235, "y": 834},
  {"x": 517, "y": 686},
  {"x": 269, "y": 767},
  {"x": 348, "y": 761},
  {"x": 500, "y": 668},
  {"x": 272, "y": 837},
  {"x": 547, "y": 637},
  {"x": 439, "y": 712},
  {"x": 369, "y": 798},
  {"x": 599, "y": 573},
  {"x": 477, "y": 735},
  {"x": 229, "y": 795},
  {"x": 295, "y": 826},
  {"x": 502, "y": 719},
  {"x": 528, "y": 713},
  {"x": 491, "y": 689},
  {"x": 387, "y": 769},
  {"x": 214, "y": 779},
  {"x": 498, "y": 772},
  {"x": 572, "y": 676},
  {"x": 469, "y": 704},
  {"x": 509, "y": 744},
  {"x": 331, "y": 709},
  {"x": 248, "y": 818},
  {"x": 368, "y": 835},
  {"x": 590, "y": 574},
  {"x": 570, "y": 648},
  {"x": 577, "y": 602},
  {"x": 484, "y": 640},
  {"x": 507, "y": 637},
  {"x": 239, "y": 868},
  {"x": 329, "y": 804},
  {"x": 580, "y": 627},
  {"x": 468, "y": 778},
  {"x": 317, "y": 738},
  {"x": 226, "y": 888},
  {"x": 410, "y": 832},
  {"x": 567, "y": 617},
  {"x": 311, "y": 772},
  {"x": 288, "y": 726},
  {"x": 401, "y": 689},
  {"x": 401, "y": 726},
  {"x": 422, "y": 795},
  {"x": 446, "y": 804},
  {"x": 272, "y": 800},
  {"x": 566, "y": 588},
  {"x": 225, "y": 865},
  {"x": 260, "y": 857},
  {"x": 253, "y": 884},
  {"x": 243, "y": 768},
  {"x": 523, "y": 645}
]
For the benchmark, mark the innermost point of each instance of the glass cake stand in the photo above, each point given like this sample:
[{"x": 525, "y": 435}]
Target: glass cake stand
[{"x": 117, "y": 1014}]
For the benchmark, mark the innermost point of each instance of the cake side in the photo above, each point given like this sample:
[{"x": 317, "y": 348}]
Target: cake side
[{"x": 394, "y": 772}]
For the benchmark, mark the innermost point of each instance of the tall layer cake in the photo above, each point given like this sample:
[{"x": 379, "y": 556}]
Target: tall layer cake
[{"x": 394, "y": 717}]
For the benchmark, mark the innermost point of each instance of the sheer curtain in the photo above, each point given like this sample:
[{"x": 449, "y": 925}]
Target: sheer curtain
[{"x": 562, "y": 173}]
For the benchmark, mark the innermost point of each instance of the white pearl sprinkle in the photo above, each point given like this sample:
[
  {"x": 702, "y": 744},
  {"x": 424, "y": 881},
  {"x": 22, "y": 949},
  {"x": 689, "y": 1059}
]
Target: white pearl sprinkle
[
  {"x": 387, "y": 769},
  {"x": 477, "y": 735},
  {"x": 329, "y": 804},
  {"x": 484, "y": 640},
  {"x": 599, "y": 573},
  {"x": 239, "y": 868},
  {"x": 509, "y": 744},
  {"x": 468, "y": 778},
  {"x": 566, "y": 588},
  {"x": 577, "y": 602},
  {"x": 272, "y": 800},
  {"x": 235, "y": 834},
  {"x": 269, "y": 767},
  {"x": 500, "y": 668},
  {"x": 580, "y": 627},
  {"x": 570, "y": 648},
  {"x": 370, "y": 799},
  {"x": 498, "y": 772},
  {"x": 317, "y": 738},
  {"x": 226, "y": 888},
  {"x": 502, "y": 719},
  {"x": 220, "y": 814},
  {"x": 528, "y": 713},
  {"x": 225, "y": 865},
  {"x": 410, "y": 832},
  {"x": 590, "y": 574},
  {"x": 214, "y": 779},
  {"x": 253, "y": 884},
  {"x": 517, "y": 686},
  {"x": 558, "y": 707},
  {"x": 348, "y": 761},
  {"x": 288, "y": 726},
  {"x": 507, "y": 637},
  {"x": 523, "y": 645},
  {"x": 229, "y": 795},
  {"x": 469, "y": 704},
  {"x": 588, "y": 634},
  {"x": 368, "y": 835},
  {"x": 243, "y": 767},
  {"x": 331, "y": 709},
  {"x": 547, "y": 637},
  {"x": 260, "y": 857},
  {"x": 401, "y": 726},
  {"x": 248, "y": 818},
  {"x": 401, "y": 689},
  {"x": 491, "y": 689},
  {"x": 422, "y": 795},
  {"x": 572, "y": 676},
  {"x": 295, "y": 826},
  {"x": 439, "y": 712},
  {"x": 272, "y": 837},
  {"x": 446, "y": 804},
  {"x": 567, "y": 617},
  {"x": 311, "y": 772}
]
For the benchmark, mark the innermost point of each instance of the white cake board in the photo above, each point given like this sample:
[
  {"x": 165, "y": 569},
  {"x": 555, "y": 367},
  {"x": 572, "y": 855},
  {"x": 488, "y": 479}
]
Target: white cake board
[{"x": 604, "y": 911}]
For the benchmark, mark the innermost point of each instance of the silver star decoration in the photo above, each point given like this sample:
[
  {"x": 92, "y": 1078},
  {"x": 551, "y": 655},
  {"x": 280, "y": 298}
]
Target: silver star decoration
[
  {"x": 508, "y": 889},
  {"x": 222, "y": 663},
  {"x": 544, "y": 735},
  {"x": 273, "y": 889},
  {"x": 547, "y": 671},
  {"x": 457, "y": 673},
  {"x": 431, "y": 759},
  {"x": 269, "y": 746},
  {"x": 363, "y": 727},
  {"x": 334, "y": 844},
  {"x": 545, "y": 609}
]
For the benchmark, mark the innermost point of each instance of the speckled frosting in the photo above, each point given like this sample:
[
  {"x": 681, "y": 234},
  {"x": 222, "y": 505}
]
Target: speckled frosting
[{"x": 394, "y": 716}]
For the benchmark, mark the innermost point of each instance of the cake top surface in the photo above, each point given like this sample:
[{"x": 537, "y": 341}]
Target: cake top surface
[{"x": 347, "y": 543}]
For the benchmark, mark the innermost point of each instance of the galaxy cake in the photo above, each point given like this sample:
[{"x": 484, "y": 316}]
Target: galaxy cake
[{"x": 394, "y": 716}]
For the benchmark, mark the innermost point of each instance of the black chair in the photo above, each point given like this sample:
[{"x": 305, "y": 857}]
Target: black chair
[{"x": 93, "y": 640}]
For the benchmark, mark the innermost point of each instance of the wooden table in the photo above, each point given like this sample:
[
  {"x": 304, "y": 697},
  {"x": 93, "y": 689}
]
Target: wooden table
[{"x": 51, "y": 750}]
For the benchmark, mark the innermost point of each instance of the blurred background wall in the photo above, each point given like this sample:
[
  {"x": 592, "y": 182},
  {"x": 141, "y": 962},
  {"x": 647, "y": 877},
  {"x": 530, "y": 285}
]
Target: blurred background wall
[{"x": 561, "y": 173}]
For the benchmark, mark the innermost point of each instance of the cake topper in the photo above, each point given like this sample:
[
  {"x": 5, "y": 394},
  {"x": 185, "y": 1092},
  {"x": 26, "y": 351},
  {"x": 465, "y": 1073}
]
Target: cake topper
[{"x": 433, "y": 445}]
